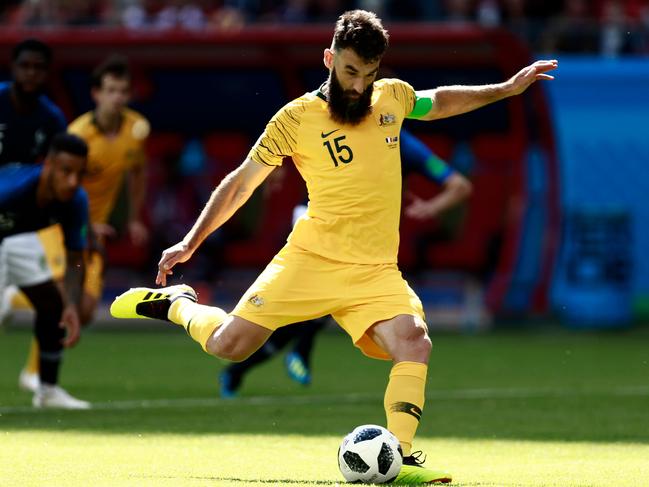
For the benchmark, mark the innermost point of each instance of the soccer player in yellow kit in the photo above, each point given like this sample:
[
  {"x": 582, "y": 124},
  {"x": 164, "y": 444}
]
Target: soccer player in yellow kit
[
  {"x": 115, "y": 136},
  {"x": 341, "y": 258}
]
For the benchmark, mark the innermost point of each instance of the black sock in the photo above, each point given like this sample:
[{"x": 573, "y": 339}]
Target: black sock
[
  {"x": 48, "y": 304},
  {"x": 49, "y": 364}
]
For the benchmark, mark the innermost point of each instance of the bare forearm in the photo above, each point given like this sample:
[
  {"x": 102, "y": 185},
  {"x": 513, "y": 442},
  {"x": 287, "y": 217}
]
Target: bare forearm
[
  {"x": 455, "y": 100},
  {"x": 137, "y": 183},
  {"x": 225, "y": 200},
  {"x": 73, "y": 280},
  {"x": 447, "y": 101},
  {"x": 456, "y": 190}
]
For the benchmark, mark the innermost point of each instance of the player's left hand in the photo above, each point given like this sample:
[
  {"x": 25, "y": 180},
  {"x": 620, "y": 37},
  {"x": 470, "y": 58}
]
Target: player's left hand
[
  {"x": 138, "y": 232},
  {"x": 420, "y": 209},
  {"x": 70, "y": 321},
  {"x": 528, "y": 75}
]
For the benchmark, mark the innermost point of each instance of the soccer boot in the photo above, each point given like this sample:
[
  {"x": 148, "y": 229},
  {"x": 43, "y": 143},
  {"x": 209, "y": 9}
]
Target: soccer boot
[
  {"x": 28, "y": 381},
  {"x": 297, "y": 369},
  {"x": 152, "y": 303},
  {"x": 413, "y": 472},
  {"x": 53, "y": 396}
]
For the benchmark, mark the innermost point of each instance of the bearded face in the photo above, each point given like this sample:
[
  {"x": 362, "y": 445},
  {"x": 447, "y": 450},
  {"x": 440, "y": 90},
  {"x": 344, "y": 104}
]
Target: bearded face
[{"x": 347, "y": 106}]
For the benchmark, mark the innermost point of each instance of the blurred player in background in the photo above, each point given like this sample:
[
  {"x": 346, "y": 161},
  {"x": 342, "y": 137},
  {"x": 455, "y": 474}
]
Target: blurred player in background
[
  {"x": 115, "y": 136},
  {"x": 416, "y": 157},
  {"x": 32, "y": 196},
  {"x": 341, "y": 257},
  {"x": 28, "y": 118},
  {"x": 28, "y": 122}
]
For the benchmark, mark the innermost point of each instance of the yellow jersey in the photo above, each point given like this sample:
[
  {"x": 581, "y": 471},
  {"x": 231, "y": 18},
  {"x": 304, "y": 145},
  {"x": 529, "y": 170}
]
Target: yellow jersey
[
  {"x": 109, "y": 158},
  {"x": 352, "y": 173}
]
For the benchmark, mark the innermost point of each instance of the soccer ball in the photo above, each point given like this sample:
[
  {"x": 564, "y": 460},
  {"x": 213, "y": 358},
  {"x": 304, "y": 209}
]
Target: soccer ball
[{"x": 370, "y": 454}]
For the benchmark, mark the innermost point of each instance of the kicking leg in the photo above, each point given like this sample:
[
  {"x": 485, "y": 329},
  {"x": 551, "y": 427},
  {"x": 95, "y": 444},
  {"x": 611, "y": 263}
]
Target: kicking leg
[{"x": 227, "y": 337}]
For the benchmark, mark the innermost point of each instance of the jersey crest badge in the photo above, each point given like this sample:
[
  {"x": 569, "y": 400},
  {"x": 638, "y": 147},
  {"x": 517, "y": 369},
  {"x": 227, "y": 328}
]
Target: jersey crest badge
[
  {"x": 256, "y": 300},
  {"x": 387, "y": 119}
]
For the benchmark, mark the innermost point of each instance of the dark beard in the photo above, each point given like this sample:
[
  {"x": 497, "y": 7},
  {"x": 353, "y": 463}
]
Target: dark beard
[{"x": 344, "y": 110}]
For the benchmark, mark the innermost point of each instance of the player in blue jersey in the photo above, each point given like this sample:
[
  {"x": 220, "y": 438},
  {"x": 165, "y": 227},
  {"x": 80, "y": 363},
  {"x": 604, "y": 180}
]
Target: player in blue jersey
[
  {"x": 28, "y": 119},
  {"x": 32, "y": 197},
  {"x": 416, "y": 157}
]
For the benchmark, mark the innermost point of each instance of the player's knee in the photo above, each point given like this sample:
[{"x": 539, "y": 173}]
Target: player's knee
[
  {"x": 226, "y": 348},
  {"x": 420, "y": 342},
  {"x": 414, "y": 343}
]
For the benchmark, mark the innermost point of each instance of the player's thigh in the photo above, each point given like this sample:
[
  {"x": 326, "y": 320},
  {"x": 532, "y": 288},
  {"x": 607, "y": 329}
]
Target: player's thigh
[
  {"x": 376, "y": 294},
  {"x": 296, "y": 286}
]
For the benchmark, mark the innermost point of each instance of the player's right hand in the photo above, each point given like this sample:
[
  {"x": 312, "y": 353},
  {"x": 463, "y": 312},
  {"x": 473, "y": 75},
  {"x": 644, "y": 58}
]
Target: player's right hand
[
  {"x": 70, "y": 321},
  {"x": 173, "y": 255}
]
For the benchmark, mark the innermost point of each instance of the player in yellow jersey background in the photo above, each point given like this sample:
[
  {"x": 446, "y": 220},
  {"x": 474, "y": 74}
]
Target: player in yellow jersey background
[
  {"x": 116, "y": 137},
  {"x": 341, "y": 258}
]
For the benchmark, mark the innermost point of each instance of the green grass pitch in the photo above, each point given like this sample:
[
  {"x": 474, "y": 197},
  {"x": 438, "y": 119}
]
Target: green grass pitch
[{"x": 513, "y": 408}]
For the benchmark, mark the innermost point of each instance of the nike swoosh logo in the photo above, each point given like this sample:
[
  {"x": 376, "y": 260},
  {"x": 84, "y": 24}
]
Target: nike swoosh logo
[
  {"x": 324, "y": 136},
  {"x": 408, "y": 408}
]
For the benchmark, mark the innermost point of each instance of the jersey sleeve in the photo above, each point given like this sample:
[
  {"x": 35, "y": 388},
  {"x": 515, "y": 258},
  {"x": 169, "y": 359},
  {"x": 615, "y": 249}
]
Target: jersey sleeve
[
  {"x": 402, "y": 92},
  {"x": 75, "y": 223},
  {"x": 140, "y": 131},
  {"x": 13, "y": 179},
  {"x": 60, "y": 123},
  {"x": 279, "y": 139},
  {"x": 417, "y": 157}
]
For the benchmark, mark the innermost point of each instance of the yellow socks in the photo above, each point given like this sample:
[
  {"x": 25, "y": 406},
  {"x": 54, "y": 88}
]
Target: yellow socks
[
  {"x": 404, "y": 401},
  {"x": 32, "y": 359},
  {"x": 199, "y": 320}
]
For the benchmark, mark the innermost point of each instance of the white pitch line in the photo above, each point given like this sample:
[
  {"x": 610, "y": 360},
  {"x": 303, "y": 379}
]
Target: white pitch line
[{"x": 437, "y": 395}]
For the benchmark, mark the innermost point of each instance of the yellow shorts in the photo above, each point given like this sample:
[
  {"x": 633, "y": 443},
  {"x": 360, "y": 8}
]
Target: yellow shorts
[
  {"x": 53, "y": 243},
  {"x": 93, "y": 284},
  {"x": 298, "y": 285}
]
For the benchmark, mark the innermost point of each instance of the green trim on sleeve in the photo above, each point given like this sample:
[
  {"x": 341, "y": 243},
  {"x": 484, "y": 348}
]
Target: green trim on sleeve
[{"x": 421, "y": 108}]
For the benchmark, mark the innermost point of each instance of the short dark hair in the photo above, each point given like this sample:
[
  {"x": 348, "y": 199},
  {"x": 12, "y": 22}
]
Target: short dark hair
[
  {"x": 32, "y": 45},
  {"x": 115, "y": 65},
  {"x": 70, "y": 143},
  {"x": 363, "y": 32}
]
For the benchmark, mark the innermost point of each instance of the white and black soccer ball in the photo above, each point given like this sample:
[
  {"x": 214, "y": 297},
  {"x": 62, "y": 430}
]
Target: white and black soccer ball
[{"x": 370, "y": 454}]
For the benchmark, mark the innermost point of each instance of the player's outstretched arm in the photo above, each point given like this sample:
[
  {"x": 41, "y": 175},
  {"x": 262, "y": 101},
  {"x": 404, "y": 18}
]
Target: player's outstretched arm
[
  {"x": 447, "y": 101},
  {"x": 230, "y": 194},
  {"x": 456, "y": 189}
]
